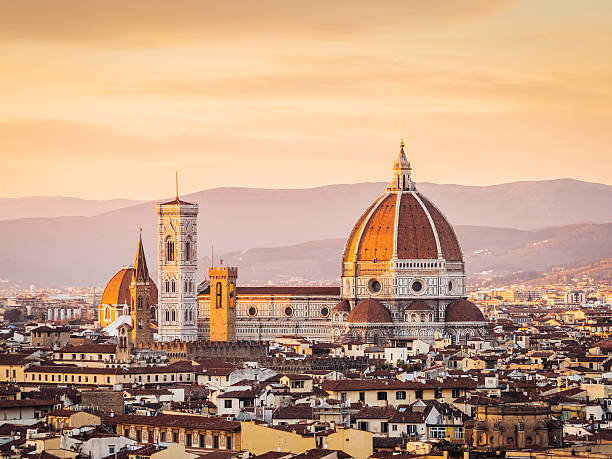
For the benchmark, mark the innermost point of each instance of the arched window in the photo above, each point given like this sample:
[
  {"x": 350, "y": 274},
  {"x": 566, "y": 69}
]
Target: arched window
[
  {"x": 188, "y": 250},
  {"x": 139, "y": 302},
  {"x": 218, "y": 295},
  {"x": 186, "y": 316},
  {"x": 173, "y": 286},
  {"x": 140, "y": 324},
  {"x": 167, "y": 286},
  {"x": 169, "y": 249},
  {"x": 232, "y": 294},
  {"x": 167, "y": 315},
  {"x": 173, "y": 315},
  {"x": 107, "y": 313}
]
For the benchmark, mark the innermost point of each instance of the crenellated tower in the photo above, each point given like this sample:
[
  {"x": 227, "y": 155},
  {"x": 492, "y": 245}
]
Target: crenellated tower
[{"x": 223, "y": 303}]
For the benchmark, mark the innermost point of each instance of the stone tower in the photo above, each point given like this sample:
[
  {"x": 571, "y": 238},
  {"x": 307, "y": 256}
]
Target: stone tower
[
  {"x": 223, "y": 303},
  {"x": 177, "y": 273},
  {"x": 141, "y": 293},
  {"x": 124, "y": 343}
]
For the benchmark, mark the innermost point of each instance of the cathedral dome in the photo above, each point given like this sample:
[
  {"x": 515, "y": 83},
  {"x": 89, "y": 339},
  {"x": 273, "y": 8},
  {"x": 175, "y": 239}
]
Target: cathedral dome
[
  {"x": 342, "y": 306},
  {"x": 463, "y": 310},
  {"x": 117, "y": 290},
  {"x": 369, "y": 311},
  {"x": 402, "y": 224}
]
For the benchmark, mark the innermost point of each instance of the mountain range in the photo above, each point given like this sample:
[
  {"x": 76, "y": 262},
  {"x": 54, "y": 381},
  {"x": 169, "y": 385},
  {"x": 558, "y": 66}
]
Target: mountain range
[{"x": 502, "y": 228}]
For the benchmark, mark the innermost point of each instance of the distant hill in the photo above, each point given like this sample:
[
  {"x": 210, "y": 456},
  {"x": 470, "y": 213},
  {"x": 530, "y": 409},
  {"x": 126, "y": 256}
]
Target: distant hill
[
  {"x": 58, "y": 206},
  {"x": 600, "y": 271},
  {"x": 87, "y": 250},
  {"x": 493, "y": 250}
]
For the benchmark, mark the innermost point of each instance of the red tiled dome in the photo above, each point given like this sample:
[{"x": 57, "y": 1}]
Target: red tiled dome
[
  {"x": 463, "y": 310},
  {"x": 418, "y": 305},
  {"x": 369, "y": 311},
  {"x": 117, "y": 291},
  {"x": 342, "y": 306},
  {"x": 422, "y": 232}
]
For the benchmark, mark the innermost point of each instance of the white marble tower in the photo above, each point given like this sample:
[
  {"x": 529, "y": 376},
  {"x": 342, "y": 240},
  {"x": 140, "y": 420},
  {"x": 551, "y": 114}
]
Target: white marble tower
[{"x": 177, "y": 273}]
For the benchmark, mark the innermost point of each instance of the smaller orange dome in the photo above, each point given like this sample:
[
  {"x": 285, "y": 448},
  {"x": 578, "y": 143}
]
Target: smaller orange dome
[
  {"x": 369, "y": 311},
  {"x": 463, "y": 310},
  {"x": 342, "y": 306},
  {"x": 117, "y": 290}
]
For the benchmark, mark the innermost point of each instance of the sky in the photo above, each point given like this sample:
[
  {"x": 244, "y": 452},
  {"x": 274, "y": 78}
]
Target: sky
[{"x": 105, "y": 99}]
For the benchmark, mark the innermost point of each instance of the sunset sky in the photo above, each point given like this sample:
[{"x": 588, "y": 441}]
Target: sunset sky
[{"x": 103, "y": 99}]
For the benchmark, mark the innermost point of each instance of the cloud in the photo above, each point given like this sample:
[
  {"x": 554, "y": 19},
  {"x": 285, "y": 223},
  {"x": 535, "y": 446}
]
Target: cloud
[{"x": 155, "y": 22}]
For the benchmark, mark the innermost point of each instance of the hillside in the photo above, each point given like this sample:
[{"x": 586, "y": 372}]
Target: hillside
[
  {"x": 87, "y": 250},
  {"x": 491, "y": 250},
  {"x": 600, "y": 271}
]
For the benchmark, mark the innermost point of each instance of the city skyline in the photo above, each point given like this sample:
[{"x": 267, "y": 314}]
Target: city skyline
[{"x": 108, "y": 100}]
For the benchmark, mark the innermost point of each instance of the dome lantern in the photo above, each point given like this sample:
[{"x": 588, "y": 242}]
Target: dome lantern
[{"x": 401, "y": 173}]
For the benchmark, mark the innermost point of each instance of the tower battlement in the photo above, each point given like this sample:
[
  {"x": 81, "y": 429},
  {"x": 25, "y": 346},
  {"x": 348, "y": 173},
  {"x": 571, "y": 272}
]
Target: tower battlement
[{"x": 222, "y": 271}]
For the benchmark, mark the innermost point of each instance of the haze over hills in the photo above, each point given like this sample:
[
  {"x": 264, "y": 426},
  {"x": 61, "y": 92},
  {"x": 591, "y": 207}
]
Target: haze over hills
[
  {"x": 88, "y": 250},
  {"x": 494, "y": 250},
  {"x": 58, "y": 206}
]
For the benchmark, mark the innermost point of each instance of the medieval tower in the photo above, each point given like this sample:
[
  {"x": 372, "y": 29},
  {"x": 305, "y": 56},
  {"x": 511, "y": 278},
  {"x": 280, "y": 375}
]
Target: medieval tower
[
  {"x": 223, "y": 303},
  {"x": 142, "y": 300},
  {"x": 177, "y": 273}
]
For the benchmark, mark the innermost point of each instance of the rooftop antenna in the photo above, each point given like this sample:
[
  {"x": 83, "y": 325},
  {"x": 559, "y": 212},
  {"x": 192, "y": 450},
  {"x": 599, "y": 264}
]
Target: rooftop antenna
[{"x": 176, "y": 177}]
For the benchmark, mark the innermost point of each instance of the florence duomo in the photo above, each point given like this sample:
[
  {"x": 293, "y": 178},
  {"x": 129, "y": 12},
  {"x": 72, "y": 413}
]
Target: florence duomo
[
  {"x": 402, "y": 277},
  {"x": 392, "y": 237}
]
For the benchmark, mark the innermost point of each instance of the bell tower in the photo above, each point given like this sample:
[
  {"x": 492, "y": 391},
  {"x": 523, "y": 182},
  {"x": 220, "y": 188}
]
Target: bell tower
[
  {"x": 223, "y": 303},
  {"x": 177, "y": 273},
  {"x": 124, "y": 343},
  {"x": 141, "y": 293}
]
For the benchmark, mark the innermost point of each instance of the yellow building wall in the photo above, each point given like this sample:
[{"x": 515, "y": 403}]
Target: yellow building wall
[
  {"x": 6, "y": 373},
  {"x": 102, "y": 319},
  {"x": 356, "y": 443},
  {"x": 173, "y": 451},
  {"x": 258, "y": 439}
]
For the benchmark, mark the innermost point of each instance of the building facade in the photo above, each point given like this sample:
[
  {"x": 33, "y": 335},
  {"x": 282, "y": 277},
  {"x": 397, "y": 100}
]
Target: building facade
[
  {"x": 130, "y": 297},
  {"x": 402, "y": 276}
]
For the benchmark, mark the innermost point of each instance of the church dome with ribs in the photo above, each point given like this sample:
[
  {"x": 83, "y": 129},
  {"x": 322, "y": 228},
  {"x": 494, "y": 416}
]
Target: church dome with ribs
[
  {"x": 402, "y": 224},
  {"x": 369, "y": 311},
  {"x": 463, "y": 310},
  {"x": 117, "y": 291}
]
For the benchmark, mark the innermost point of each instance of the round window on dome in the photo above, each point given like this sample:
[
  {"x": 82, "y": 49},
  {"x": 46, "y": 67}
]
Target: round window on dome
[
  {"x": 288, "y": 311},
  {"x": 374, "y": 286},
  {"x": 252, "y": 311},
  {"x": 417, "y": 286},
  {"x": 324, "y": 312}
]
